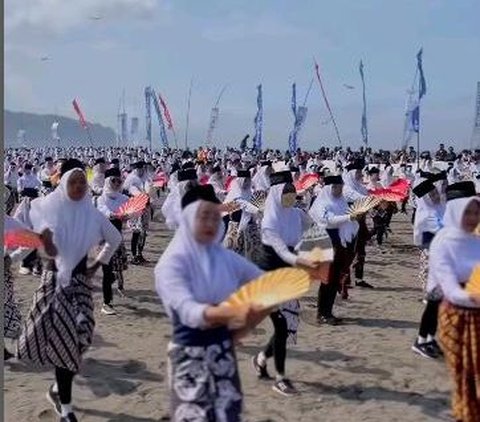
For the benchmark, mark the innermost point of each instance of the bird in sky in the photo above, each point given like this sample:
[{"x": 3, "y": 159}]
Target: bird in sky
[
  {"x": 96, "y": 17},
  {"x": 44, "y": 58},
  {"x": 348, "y": 86}
]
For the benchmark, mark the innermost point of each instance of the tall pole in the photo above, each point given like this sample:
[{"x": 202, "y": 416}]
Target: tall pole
[{"x": 188, "y": 113}]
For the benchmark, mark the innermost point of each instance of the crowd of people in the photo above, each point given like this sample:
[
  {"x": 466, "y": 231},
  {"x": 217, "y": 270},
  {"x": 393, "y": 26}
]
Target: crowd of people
[{"x": 233, "y": 214}]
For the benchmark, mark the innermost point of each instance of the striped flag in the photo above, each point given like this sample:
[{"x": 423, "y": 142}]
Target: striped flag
[
  {"x": 364, "y": 129},
  {"x": 257, "y": 140},
  {"x": 80, "y": 115},
  {"x": 166, "y": 113}
]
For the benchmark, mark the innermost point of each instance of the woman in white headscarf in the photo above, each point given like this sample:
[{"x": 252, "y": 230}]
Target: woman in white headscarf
[
  {"x": 428, "y": 221},
  {"x": 171, "y": 208},
  {"x": 281, "y": 229},
  {"x": 261, "y": 179},
  {"x": 330, "y": 208},
  {"x": 353, "y": 190},
  {"x": 59, "y": 327},
  {"x": 454, "y": 254},
  {"x": 194, "y": 275},
  {"x": 136, "y": 183},
  {"x": 242, "y": 230},
  {"x": 108, "y": 203},
  {"x": 217, "y": 181}
]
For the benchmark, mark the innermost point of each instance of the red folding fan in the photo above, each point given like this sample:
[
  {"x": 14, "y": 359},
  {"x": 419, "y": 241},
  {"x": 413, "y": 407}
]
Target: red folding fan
[
  {"x": 22, "y": 239},
  {"x": 135, "y": 205},
  {"x": 306, "y": 181}
]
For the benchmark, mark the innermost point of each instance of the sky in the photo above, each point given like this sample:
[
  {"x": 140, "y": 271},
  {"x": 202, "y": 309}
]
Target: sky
[{"x": 167, "y": 44}]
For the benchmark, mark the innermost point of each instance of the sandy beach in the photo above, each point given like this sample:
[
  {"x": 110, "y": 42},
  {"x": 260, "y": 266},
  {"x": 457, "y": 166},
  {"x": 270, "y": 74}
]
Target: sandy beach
[{"x": 361, "y": 371}]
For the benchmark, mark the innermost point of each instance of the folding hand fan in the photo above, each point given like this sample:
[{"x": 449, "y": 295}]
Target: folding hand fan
[
  {"x": 22, "y": 239},
  {"x": 316, "y": 245},
  {"x": 306, "y": 181},
  {"x": 272, "y": 289},
  {"x": 135, "y": 205},
  {"x": 258, "y": 200},
  {"x": 473, "y": 285},
  {"x": 363, "y": 205},
  {"x": 229, "y": 207}
]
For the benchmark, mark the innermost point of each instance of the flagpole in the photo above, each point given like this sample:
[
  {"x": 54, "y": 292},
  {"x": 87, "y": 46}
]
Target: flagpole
[
  {"x": 308, "y": 92},
  {"x": 188, "y": 113}
]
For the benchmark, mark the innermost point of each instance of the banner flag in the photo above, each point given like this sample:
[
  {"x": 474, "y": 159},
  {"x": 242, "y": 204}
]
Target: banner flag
[
  {"x": 364, "y": 129},
  {"x": 80, "y": 115},
  {"x": 257, "y": 140}
]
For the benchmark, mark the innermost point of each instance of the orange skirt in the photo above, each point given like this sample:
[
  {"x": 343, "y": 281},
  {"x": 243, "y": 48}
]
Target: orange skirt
[{"x": 459, "y": 335}]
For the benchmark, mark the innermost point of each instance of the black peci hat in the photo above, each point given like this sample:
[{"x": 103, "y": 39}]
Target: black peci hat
[
  {"x": 200, "y": 192},
  {"x": 423, "y": 188},
  {"x": 357, "y": 164},
  {"x": 216, "y": 169},
  {"x": 460, "y": 190},
  {"x": 138, "y": 165},
  {"x": 281, "y": 177},
  {"x": 243, "y": 173},
  {"x": 333, "y": 180},
  {"x": 100, "y": 160},
  {"x": 265, "y": 163},
  {"x": 70, "y": 164},
  {"x": 187, "y": 174},
  {"x": 113, "y": 172},
  {"x": 188, "y": 165},
  {"x": 374, "y": 170}
]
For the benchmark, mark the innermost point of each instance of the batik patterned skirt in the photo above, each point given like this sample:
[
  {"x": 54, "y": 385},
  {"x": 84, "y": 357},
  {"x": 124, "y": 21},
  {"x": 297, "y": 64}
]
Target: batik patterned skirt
[
  {"x": 204, "y": 383},
  {"x": 246, "y": 242},
  {"x": 59, "y": 326},
  {"x": 423, "y": 272},
  {"x": 459, "y": 335},
  {"x": 11, "y": 314}
]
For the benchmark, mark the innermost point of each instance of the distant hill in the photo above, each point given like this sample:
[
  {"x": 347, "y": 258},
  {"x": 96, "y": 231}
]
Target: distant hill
[{"x": 37, "y": 129}]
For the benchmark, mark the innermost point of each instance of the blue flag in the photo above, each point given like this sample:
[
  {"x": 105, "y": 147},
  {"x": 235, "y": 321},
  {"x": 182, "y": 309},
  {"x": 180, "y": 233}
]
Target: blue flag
[
  {"x": 163, "y": 133},
  {"x": 257, "y": 140},
  {"x": 300, "y": 115},
  {"x": 364, "y": 129},
  {"x": 422, "y": 85}
]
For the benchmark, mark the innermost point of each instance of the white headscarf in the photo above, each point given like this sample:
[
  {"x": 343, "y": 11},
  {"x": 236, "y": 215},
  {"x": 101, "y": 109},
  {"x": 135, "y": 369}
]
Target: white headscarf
[
  {"x": 207, "y": 268},
  {"x": 285, "y": 222},
  {"x": 111, "y": 199},
  {"x": 326, "y": 206},
  {"x": 76, "y": 226},
  {"x": 260, "y": 180},
  {"x": 428, "y": 218},
  {"x": 454, "y": 253},
  {"x": 353, "y": 189},
  {"x": 238, "y": 190}
]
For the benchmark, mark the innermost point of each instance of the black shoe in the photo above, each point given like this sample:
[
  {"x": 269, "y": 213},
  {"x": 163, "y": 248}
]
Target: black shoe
[
  {"x": 329, "y": 320},
  {"x": 364, "y": 284},
  {"x": 284, "y": 387},
  {"x": 142, "y": 259},
  {"x": 136, "y": 260},
  {"x": 436, "y": 347},
  {"x": 69, "y": 418},
  {"x": 425, "y": 349},
  {"x": 260, "y": 370},
  {"x": 54, "y": 399}
]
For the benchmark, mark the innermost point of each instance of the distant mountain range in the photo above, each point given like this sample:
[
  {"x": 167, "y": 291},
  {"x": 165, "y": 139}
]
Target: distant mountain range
[{"x": 38, "y": 130}]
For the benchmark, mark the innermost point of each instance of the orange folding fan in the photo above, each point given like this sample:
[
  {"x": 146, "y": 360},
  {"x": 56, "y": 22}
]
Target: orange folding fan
[
  {"x": 135, "y": 205},
  {"x": 22, "y": 239},
  {"x": 473, "y": 285},
  {"x": 272, "y": 288}
]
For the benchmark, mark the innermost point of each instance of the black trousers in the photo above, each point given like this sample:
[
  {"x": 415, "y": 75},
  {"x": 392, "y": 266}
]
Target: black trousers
[
  {"x": 138, "y": 243},
  {"x": 429, "y": 321},
  {"x": 337, "y": 276},
  {"x": 64, "y": 379},
  {"x": 31, "y": 260},
  {"x": 277, "y": 346},
  {"x": 360, "y": 249},
  {"x": 107, "y": 282}
]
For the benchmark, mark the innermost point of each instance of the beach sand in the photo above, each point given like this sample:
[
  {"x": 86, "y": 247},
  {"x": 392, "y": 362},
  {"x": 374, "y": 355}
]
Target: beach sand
[{"x": 361, "y": 371}]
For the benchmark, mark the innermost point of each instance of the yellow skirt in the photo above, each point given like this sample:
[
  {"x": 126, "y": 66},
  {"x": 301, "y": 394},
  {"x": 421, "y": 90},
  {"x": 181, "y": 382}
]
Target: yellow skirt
[{"x": 459, "y": 335}]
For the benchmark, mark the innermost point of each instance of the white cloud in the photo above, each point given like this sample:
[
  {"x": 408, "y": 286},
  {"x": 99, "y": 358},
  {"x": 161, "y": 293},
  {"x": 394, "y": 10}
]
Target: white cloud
[
  {"x": 239, "y": 26},
  {"x": 58, "y": 16}
]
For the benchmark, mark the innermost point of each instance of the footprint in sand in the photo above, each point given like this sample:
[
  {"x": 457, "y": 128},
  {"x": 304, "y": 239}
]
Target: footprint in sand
[
  {"x": 133, "y": 367},
  {"x": 47, "y": 415}
]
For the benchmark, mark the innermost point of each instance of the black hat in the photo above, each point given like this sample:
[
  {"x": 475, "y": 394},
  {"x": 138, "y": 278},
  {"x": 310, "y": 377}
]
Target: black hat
[
  {"x": 374, "y": 170},
  {"x": 187, "y": 174},
  {"x": 70, "y": 164},
  {"x": 200, "y": 192},
  {"x": 294, "y": 169},
  {"x": 281, "y": 177},
  {"x": 175, "y": 167},
  {"x": 423, "y": 188},
  {"x": 265, "y": 163},
  {"x": 460, "y": 190},
  {"x": 138, "y": 165},
  {"x": 357, "y": 164},
  {"x": 115, "y": 161},
  {"x": 243, "y": 173},
  {"x": 435, "y": 177},
  {"x": 333, "y": 180},
  {"x": 217, "y": 169},
  {"x": 188, "y": 165},
  {"x": 100, "y": 160},
  {"x": 113, "y": 172}
]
